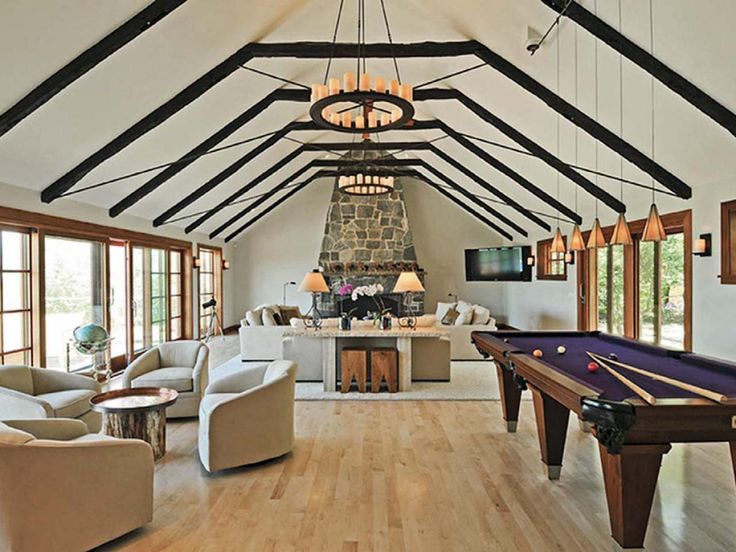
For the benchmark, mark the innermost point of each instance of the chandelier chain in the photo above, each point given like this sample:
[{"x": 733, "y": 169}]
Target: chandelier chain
[
  {"x": 390, "y": 40},
  {"x": 334, "y": 41}
]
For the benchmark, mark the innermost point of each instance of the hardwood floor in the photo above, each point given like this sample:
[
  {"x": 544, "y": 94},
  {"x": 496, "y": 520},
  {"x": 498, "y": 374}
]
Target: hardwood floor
[{"x": 423, "y": 476}]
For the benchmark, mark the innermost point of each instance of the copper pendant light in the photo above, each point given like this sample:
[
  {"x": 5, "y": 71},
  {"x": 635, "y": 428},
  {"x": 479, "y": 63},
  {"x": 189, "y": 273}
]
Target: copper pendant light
[
  {"x": 621, "y": 233},
  {"x": 558, "y": 242},
  {"x": 654, "y": 229},
  {"x": 577, "y": 242},
  {"x": 596, "y": 238}
]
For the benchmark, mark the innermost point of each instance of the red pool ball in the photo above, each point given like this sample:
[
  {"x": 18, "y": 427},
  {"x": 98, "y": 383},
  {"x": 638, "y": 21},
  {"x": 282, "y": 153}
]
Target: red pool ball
[
  {"x": 593, "y": 367},
  {"x": 537, "y": 353}
]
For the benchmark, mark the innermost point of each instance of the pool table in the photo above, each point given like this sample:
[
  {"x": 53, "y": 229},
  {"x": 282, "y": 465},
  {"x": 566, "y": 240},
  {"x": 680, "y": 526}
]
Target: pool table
[{"x": 632, "y": 434}]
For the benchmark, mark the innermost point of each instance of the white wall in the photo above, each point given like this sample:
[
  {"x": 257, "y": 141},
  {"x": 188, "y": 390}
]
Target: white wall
[
  {"x": 285, "y": 244},
  {"x": 28, "y": 200}
]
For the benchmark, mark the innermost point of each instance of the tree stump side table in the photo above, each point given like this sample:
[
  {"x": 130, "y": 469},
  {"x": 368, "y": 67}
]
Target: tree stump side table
[{"x": 136, "y": 413}]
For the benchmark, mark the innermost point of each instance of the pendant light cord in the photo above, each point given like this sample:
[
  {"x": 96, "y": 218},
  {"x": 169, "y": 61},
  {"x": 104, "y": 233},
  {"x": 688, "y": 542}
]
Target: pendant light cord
[
  {"x": 651, "y": 78},
  {"x": 575, "y": 188},
  {"x": 595, "y": 7},
  {"x": 334, "y": 40},
  {"x": 390, "y": 40},
  {"x": 557, "y": 140},
  {"x": 621, "y": 102}
]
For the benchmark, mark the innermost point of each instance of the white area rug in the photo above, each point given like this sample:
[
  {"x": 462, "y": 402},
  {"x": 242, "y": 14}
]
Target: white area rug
[{"x": 469, "y": 381}]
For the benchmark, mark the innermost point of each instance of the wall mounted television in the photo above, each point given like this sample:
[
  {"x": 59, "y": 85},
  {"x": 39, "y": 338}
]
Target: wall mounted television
[{"x": 498, "y": 264}]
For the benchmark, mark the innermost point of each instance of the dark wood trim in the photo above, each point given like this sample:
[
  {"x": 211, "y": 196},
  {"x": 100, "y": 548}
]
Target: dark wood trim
[
  {"x": 324, "y": 50},
  {"x": 646, "y": 61},
  {"x": 75, "y": 228},
  {"x": 98, "y": 52},
  {"x": 192, "y": 155},
  {"x": 728, "y": 242},
  {"x": 543, "y": 259},
  {"x": 218, "y": 287}
]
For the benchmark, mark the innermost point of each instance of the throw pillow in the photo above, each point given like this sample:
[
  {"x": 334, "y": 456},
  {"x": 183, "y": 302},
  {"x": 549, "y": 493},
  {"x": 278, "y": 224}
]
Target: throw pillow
[
  {"x": 267, "y": 317},
  {"x": 442, "y": 309},
  {"x": 464, "y": 318},
  {"x": 253, "y": 317},
  {"x": 481, "y": 315},
  {"x": 426, "y": 321},
  {"x": 463, "y": 306},
  {"x": 287, "y": 313},
  {"x": 450, "y": 316}
]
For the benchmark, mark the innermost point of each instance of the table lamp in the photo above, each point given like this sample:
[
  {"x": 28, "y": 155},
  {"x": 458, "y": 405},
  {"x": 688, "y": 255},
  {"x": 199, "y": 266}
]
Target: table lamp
[
  {"x": 408, "y": 283},
  {"x": 315, "y": 284}
]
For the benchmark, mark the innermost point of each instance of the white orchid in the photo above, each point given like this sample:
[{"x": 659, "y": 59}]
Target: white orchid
[{"x": 368, "y": 291}]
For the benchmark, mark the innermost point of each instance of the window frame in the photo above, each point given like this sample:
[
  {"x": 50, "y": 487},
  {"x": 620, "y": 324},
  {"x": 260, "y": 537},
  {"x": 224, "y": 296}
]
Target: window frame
[
  {"x": 545, "y": 258},
  {"x": 30, "y": 348},
  {"x": 216, "y": 283},
  {"x": 728, "y": 243},
  {"x": 674, "y": 223}
]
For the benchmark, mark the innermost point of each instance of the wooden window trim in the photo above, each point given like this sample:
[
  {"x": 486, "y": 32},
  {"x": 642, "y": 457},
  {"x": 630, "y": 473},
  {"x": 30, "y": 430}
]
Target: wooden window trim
[
  {"x": 543, "y": 259},
  {"x": 674, "y": 223},
  {"x": 728, "y": 243},
  {"x": 217, "y": 266}
]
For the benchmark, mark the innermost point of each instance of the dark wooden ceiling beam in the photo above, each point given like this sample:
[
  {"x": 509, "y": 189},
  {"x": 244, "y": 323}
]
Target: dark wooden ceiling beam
[
  {"x": 325, "y": 50},
  {"x": 150, "y": 121},
  {"x": 229, "y": 171},
  {"x": 281, "y": 200},
  {"x": 588, "y": 124},
  {"x": 464, "y": 206},
  {"x": 98, "y": 52},
  {"x": 646, "y": 61},
  {"x": 282, "y": 94}
]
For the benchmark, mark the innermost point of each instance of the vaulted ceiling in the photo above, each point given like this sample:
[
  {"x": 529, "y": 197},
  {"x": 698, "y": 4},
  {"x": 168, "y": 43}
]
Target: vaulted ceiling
[{"x": 145, "y": 70}]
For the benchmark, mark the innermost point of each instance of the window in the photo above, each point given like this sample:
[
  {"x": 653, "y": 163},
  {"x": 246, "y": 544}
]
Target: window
[
  {"x": 175, "y": 294},
  {"x": 210, "y": 285},
  {"x": 641, "y": 291},
  {"x": 550, "y": 266},
  {"x": 728, "y": 242},
  {"x": 75, "y": 291},
  {"x": 15, "y": 298},
  {"x": 151, "y": 296}
]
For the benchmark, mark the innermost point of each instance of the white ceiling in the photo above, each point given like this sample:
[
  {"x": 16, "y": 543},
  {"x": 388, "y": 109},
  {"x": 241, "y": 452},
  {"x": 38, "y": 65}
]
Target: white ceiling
[{"x": 695, "y": 40}]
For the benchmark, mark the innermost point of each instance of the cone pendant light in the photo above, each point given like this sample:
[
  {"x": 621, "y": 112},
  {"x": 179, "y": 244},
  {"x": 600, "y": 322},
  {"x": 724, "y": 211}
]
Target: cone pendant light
[
  {"x": 654, "y": 229},
  {"x": 558, "y": 243},
  {"x": 577, "y": 242},
  {"x": 596, "y": 238},
  {"x": 621, "y": 233}
]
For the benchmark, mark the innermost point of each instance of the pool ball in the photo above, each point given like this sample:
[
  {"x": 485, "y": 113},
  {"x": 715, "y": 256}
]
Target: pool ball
[
  {"x": 537, "y": 353},
  {"x": 561, "y": 350},
  {"x": 505, "y": 339},
  {"x": 593, "y": 367},
  {"x": 613, "y": 356}
]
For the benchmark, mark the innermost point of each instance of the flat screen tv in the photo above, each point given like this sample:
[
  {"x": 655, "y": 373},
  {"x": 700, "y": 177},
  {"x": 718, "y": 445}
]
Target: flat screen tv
[{"x": 498, "y": 264}]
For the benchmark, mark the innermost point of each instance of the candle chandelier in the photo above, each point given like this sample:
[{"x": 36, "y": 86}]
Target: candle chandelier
[
  {"x": 360, "y": 102},
  {"x": 364, "y": 177}
]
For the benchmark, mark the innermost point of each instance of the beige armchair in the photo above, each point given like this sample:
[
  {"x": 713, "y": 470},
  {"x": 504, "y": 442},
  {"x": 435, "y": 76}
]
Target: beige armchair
[
  {"x": 248, "y": 417},
  {"x": 27, "y": 392},
  {"x": 178, "y": 365},
  {"x": 65, "y": 489}
]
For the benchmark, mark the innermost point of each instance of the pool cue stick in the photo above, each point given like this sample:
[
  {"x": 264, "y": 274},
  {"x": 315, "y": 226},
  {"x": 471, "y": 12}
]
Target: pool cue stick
[
  {"x": 648, "y": 397},
  {"x": 707, "y": 393}
]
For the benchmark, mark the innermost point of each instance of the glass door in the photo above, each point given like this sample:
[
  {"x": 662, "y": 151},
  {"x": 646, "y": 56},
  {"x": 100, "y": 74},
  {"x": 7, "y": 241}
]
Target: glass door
[
  {"x": 119, "y": 311},
  {"x": 150, "y": 297}
]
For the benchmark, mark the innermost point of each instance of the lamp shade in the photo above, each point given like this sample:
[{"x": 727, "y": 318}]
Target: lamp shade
[
  {"x": 558, "y": 242},
  {"x": 577, "y": 242},
  {"x": 314, "y": 282},
  {"x": 654, "y": 229},
  {"x": 596, "y": 238},
  {"x": 408, "y": 282},
  {"x": 621, "y": 233}
]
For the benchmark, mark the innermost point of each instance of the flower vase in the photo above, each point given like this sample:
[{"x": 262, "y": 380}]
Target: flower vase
[
  {"x": 386, "y": 322},
  {"x": 345, "y": 323}
]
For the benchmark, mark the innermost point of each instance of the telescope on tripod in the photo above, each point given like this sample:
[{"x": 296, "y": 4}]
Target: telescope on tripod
[{"x": 214, "y": 326}]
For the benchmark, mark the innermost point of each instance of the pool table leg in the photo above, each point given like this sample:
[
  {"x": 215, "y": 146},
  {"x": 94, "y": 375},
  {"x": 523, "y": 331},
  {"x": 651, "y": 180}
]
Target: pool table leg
[
  {"x": 733, "y": 456},
  {"x": 552, "y": 420},
  {"x": 510, "y": 397},
  {"x": 630, "y": 479}
]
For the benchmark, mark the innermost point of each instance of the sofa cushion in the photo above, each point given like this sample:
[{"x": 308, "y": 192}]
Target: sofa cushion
[
  {"x": 71, "y": 403},
  {"x": 463, "y": 306},
  {"x": 176, "y": 378},
  {"x": 426, "y": 321},
  {"x": 254, "y": 317},
  {"x": 18, "y": 378},
  {"x": 268, "y": 317},
  {"x": 464, "y": 318},
  {"x": 481, "y": 315},
  {"x": 442, "y": 309},
  {"x": 11, "y": 436},
  {"x": 179, "y": 353}
]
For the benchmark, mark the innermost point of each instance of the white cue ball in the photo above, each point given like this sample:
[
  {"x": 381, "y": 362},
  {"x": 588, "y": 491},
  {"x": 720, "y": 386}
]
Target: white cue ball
[{"x": 561, "y": 349}]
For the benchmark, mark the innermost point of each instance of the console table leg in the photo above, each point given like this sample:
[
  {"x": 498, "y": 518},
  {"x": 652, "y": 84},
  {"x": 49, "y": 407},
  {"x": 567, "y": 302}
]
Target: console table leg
[{"x": 403, "y": 344}]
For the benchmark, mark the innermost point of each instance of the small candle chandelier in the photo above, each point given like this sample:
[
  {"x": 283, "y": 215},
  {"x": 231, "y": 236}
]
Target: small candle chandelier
[
  {"x": 363, "y": 103},
  {"x": 365, "y": 177}
]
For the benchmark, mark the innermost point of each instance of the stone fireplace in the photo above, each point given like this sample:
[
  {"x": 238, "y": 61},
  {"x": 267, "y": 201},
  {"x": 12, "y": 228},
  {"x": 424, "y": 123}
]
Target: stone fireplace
[{"x": 367, "y": 240}]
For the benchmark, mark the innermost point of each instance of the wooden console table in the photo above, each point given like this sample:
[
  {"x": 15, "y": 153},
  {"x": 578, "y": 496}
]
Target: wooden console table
[{"x": 401, "y": 337}]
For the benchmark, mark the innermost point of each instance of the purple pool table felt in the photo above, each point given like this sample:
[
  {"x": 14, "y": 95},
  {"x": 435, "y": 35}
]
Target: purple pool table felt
[{"x": 703, "y": 372}]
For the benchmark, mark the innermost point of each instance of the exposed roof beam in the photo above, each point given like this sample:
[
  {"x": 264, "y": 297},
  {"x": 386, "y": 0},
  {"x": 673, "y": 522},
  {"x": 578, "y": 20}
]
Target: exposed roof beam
[
  {"x": 588, "y": 124},
  {"x": 150, "y": 121},
  {"x": 325, "y": 50},
  {"x": 281, "y": 200},
  {"x": 105, "y": 47},
  {"x": 646, "y": 61},
  {"x": 283, "y": 94}
]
